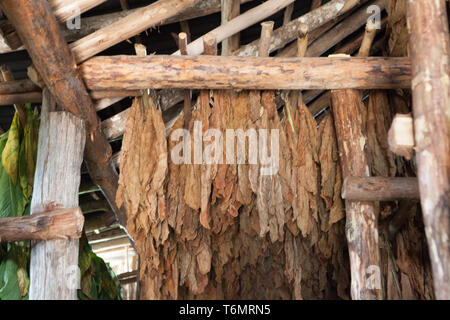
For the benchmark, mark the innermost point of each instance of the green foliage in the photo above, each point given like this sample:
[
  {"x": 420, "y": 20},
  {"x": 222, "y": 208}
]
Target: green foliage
[
  {"x": 18, "y": 149},
  {"x": 98, "y": 281},
  {"x": 14, "y": 281}
]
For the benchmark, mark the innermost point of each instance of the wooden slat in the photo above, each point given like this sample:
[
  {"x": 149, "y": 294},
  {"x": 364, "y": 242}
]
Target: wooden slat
[
  {"x": 210, "y": 72},
  {"x": 56, "y": 224}
]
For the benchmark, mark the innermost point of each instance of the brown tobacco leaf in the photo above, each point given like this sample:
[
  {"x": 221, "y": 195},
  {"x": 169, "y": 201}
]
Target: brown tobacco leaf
[
  {"x": 378, "y": 124},
  {"x": 305, "y": 205},
  {"x": 227, "y": 231},
  {"x": 143, "y": 167},
  {"x": 331, "y": 176}
]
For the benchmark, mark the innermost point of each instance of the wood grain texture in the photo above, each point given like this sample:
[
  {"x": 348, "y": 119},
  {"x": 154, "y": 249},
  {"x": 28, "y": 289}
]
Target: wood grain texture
[
  {"x": 54, "y": 263},
  {"x": 379, "y": 188},
  {"x": 430, "y": 54},
  {"x": 213, "y": 72},
  {"x": 56, "y": 224},
  {"x": 361, "y": 216}
]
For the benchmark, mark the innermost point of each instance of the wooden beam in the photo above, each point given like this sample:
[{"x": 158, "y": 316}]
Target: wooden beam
[
  {"x": 18, "y": 86},
  {"x": 134, "y": 23},
  {"x": 379, "y": 188},
  {"x": 211, "y": 72},
  {"x": 430, "y": 54},
  {"x": 343, "y": 29},
  {"x": 312, "y": 19},
  {"x": 92, "y": 24},
  {"x": 20, "y": 98},
  {"x": 361, "y": 217},
  {"x": 54, "y": 263},
  {"x": 65, "y": 10},
  {"x": 230, "y": 9},
  {"x": 56, "y": 224},
  {"x": 41, "y": 35},
  {"x": 401, "y": 136},
  {"x": 239, "y": 23}
]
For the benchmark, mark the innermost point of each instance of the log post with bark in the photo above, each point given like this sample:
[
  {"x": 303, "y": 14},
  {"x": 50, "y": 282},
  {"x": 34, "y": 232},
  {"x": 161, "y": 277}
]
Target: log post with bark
[
  {"x": 430, "y": 54},
  {"x": 361, "y": 216}
]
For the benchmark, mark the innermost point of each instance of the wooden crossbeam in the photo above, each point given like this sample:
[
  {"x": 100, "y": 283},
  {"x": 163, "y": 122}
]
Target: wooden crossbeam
[
  {"x": 212, "y": 72},
  {"x": 56, "y": 224},
  {"x": 379, "y": 188}
]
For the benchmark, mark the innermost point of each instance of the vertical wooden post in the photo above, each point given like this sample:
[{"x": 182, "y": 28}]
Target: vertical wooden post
[
  {"x": 54, "y": 263},
  {"x": 230, "y": 9},
  {"x": 361, "y": 216},
  {"x": 429, "y": 50}
]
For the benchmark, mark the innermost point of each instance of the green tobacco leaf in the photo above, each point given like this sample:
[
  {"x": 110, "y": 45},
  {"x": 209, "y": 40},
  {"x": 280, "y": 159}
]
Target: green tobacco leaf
[
  {"x": 10, "y": 154},
  {"x": 9, "y": 285},
  {"x": 27, "y": 153},
  {"x": 98, "y": 280},
  {"x": 12, "y": 202}
]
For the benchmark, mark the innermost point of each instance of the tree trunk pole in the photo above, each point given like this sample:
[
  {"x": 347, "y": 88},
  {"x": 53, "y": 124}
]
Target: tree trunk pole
[
  {"x": 361, "y": 217},
  {"x": 429, "y": 49},
  {"x": 54, "y": 263},
  {"x": 253, "y": 73}
]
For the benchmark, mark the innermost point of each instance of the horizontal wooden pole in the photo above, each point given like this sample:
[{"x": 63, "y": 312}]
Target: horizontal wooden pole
[
  {"x": 19, "y": 98},
  {"x": 213, "y": 72},
  {"x": 50, "y": 225},
  {"x": 18, "y": 86},
  {"x": 36, "y": 96},
  {"x": 379, "y": 188}
]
